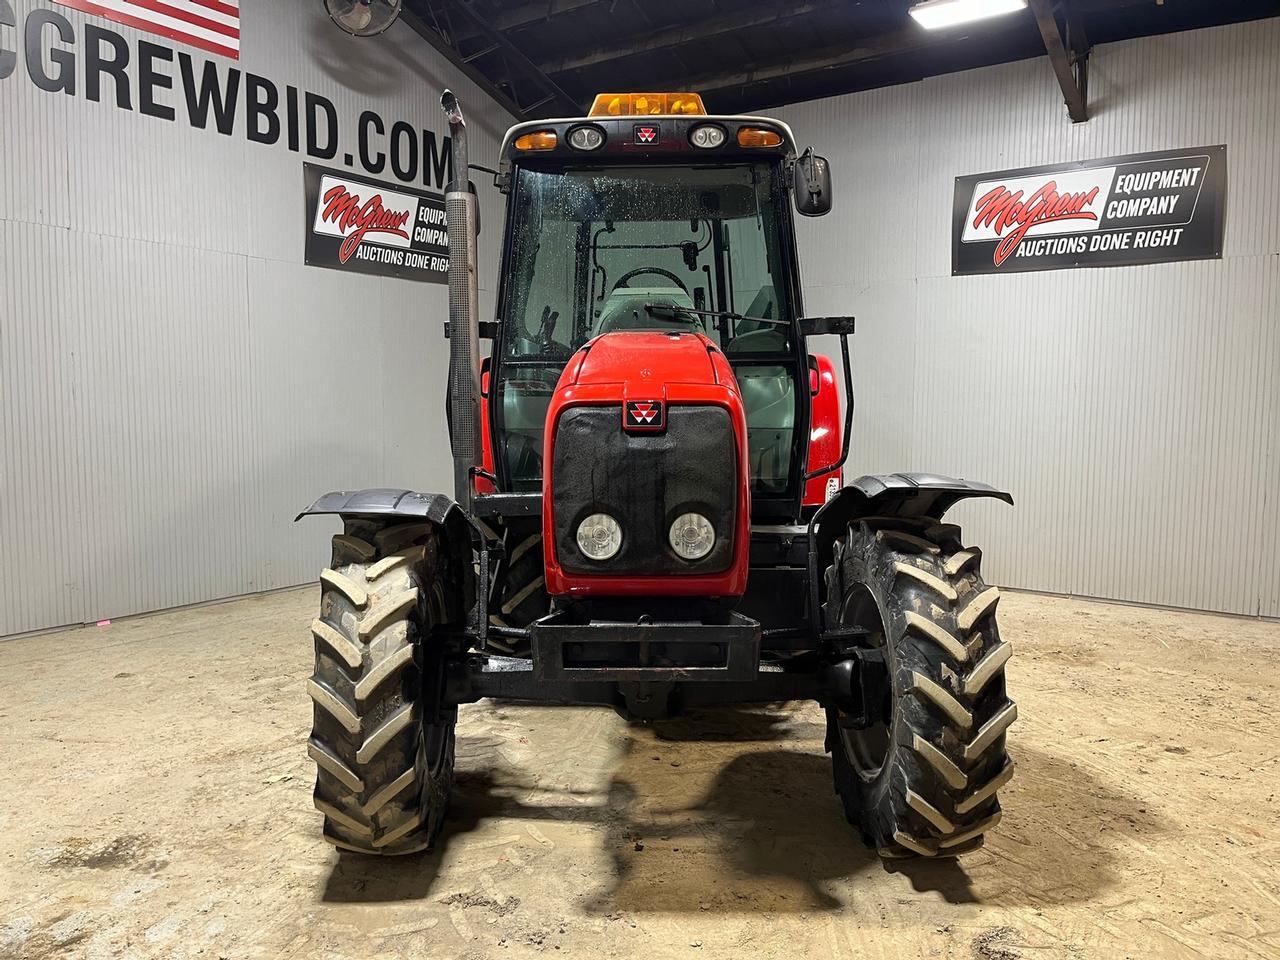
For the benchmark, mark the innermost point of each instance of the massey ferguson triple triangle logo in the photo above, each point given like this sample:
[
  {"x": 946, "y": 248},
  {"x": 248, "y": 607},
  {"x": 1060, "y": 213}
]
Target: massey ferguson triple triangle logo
[
  {"x": 643, "y": 415},
  {"x": 646, "y": 134}
]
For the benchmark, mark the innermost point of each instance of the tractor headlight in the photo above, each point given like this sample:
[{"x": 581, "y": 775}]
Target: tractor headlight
[
  {"x": 599, "y": 536},
  {"x": 692, "y": 536}
]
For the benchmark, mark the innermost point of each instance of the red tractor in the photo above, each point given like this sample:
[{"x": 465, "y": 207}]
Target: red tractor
[{"x": 648, "y": 510}]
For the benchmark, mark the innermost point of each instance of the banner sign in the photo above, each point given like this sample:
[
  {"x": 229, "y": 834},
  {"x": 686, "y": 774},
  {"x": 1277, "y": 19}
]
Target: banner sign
[
  {"x": 1121, "y": 211},
  {"x": 357, "y": 224}
]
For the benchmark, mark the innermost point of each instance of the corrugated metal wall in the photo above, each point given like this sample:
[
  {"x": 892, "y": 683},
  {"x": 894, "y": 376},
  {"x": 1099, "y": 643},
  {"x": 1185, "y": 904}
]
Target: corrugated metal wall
[
  {"x": 1134, "y": 412},
  {"x": 174, "y": 383}
]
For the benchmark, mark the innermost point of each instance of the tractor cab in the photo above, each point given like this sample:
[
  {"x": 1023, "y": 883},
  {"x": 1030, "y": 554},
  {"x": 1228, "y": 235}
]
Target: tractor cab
[{"x": 651, "y": 216}]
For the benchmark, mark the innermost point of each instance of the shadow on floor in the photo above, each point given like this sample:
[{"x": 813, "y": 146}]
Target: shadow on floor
[
  {"x": 477, "y": 797},
  {"x": 355, "y": 878},
  {"x": 767, "y": 833},
  {"x": 726, "y": 725},
  {"x": 1062, "y": 839}
]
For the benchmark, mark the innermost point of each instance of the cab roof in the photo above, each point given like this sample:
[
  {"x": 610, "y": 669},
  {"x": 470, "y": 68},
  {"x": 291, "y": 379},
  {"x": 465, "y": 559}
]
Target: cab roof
[{"x": 649, "y": 137}]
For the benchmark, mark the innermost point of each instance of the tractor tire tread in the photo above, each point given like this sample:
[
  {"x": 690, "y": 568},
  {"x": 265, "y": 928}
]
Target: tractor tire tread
[
  {"x": 378, "y": 791},
  {"x": 935, "y": 794}
]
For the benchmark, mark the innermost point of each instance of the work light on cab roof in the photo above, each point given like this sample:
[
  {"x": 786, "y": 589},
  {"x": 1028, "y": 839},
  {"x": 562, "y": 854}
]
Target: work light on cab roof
[
  {"x": 658, "y": 125},
  {"x": 647, "y": 105}
]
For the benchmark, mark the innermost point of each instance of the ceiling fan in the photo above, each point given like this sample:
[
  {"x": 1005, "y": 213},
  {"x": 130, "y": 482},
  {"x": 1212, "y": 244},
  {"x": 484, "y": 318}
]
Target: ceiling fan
[{"x": 363, "y": 18}]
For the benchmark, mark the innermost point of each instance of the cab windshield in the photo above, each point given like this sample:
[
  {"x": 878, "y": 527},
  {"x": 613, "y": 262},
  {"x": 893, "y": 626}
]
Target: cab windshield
[{"x": 591, "y": 248}]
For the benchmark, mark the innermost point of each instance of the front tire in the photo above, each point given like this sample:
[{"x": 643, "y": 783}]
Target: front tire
[
  {"x": 382, "y": 740},
  {"x": 922, "y": 780}
]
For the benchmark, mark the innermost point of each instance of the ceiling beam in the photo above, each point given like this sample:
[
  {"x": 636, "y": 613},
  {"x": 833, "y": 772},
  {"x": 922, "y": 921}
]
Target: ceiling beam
[
  {"x": 759, "y": 14},
  {"x": 514, "y": 55},
  {"x": 911, "y": 39},
  {"x": 529, "y": 13},
  {"x": 1071, "y": 70},
  {"x": 1109, "y": 6},
  {"x": 468, "y": 70},
  {"x": 1078, "y": 46},
  {"x": 1077, "y": 39}
]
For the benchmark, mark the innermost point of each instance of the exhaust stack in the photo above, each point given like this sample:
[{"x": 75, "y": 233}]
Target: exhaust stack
[{"x": 464, "y": 310}]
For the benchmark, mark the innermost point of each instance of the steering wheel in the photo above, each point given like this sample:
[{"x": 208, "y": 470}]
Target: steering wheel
[{"x": 622, "y": 280}]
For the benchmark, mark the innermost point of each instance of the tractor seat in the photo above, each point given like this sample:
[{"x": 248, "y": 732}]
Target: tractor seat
[
  {"x": 770, "y": 339},
  {"x": 754, "y": 336}
]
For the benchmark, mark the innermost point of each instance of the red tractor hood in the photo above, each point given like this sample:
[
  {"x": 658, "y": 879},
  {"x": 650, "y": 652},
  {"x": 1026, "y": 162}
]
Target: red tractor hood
[
  {"x": 640, "y": 373},
  {"x": 640, "y": 357}
]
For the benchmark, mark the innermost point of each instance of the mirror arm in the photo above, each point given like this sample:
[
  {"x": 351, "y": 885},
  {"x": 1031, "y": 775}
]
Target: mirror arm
[{"x": 848, "y": 419}]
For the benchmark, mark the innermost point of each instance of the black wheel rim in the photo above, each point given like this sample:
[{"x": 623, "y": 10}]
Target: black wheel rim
[
  {"x": 867, "y": 748},
  {"x": 436, "y": 731},
  {"x": 436, "y": 746}
]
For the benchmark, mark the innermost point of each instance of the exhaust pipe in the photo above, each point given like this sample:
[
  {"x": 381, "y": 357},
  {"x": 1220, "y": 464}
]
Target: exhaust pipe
[{"x": 464, "y": 310}]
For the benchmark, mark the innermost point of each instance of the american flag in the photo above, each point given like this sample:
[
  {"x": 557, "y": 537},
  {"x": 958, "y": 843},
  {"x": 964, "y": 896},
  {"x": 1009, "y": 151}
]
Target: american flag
[{"x": 212, "y": 25}]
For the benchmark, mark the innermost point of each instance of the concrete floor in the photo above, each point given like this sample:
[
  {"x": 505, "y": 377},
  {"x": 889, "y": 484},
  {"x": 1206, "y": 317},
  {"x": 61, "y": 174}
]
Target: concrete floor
[{"x": 159, "y": 806}]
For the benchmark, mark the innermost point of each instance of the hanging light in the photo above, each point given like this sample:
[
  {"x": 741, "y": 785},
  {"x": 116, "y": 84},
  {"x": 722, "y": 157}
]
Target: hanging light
[{"x": 936, "y": 14}]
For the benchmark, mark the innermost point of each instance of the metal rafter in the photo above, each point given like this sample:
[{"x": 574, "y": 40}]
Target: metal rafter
[
  {"x": 441, "y": 44},
  {"x": 530, "y": 13},
  {"x": 1079, "y": 46},
  {"x": 486, "y": 36},
  {"x": 754, "y": 16},
  {"x": 1070, "y": 65},
  {"x": 513, "y": 56},
  {"x": 908, "y": 40}
]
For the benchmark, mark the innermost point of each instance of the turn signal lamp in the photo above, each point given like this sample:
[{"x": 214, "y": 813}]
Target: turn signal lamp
[
  {"x": 647, "y": 105},
  {"x": 757, "y": 137},
  {"x": 538, "y": 140}
]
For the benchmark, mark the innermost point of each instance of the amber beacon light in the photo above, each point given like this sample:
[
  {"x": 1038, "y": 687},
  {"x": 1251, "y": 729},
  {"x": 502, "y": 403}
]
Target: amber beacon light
[{"x": 647, "y": 105}]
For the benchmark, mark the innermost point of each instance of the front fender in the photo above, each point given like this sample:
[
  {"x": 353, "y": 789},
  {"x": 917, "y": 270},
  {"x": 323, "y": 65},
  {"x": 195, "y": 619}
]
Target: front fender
[
  {"x": 905, "y": 495},
  {"x": 463, "y": 538},
  {"x": 384, "y": 502},
  {"x": 888, "y": 495}
]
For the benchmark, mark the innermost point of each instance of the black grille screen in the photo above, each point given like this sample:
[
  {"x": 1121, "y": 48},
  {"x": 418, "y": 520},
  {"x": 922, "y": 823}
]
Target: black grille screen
[{"x": 644, "y": 481}]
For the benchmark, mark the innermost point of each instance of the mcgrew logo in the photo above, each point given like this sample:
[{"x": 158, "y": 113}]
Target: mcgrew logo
[
  {"x": 1001, "y": 209},
  {"x": 356, "y": 220}
]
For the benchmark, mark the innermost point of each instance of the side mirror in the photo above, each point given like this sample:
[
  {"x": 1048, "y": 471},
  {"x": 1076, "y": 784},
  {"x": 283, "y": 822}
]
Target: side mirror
[
  {"x": 826, "y": 326},
  {"x": 811, "y": 184}
]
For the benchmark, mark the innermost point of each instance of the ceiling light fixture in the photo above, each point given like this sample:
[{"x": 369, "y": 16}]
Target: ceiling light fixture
[{"x": 937, "y": 14}]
